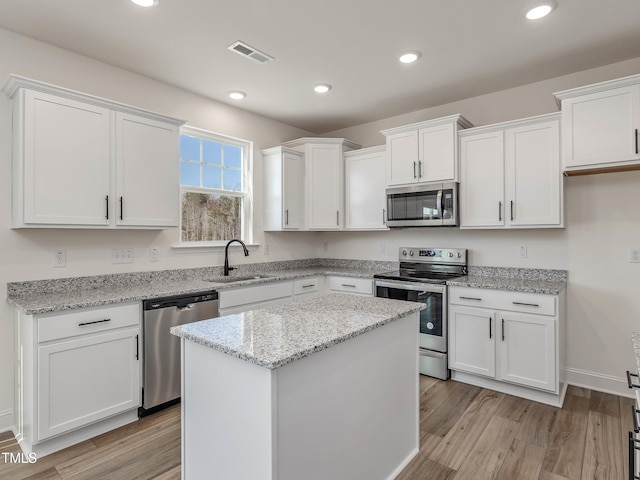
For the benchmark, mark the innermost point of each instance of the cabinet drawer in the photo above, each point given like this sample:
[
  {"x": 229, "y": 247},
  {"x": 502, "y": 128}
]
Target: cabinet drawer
[
  {"x": 306, "y": 285},
  {"x": 363, "y": 286},
  {"x": 87, "y": 320},
  {"x": 255, "y": 294},
  {"x": 503, "y": 300}
]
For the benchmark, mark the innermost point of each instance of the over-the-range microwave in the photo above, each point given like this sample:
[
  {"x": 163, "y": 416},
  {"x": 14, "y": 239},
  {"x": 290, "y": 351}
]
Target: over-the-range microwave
[{"x": 431, "y": 205}]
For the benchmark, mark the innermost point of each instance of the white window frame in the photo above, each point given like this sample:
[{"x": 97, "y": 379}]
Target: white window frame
[{"x": 246, "y": 234}]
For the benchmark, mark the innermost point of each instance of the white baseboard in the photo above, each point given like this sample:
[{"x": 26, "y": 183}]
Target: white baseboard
[
  {"x": 599, "y": 382},
  {"x": 6, "y": 420}
]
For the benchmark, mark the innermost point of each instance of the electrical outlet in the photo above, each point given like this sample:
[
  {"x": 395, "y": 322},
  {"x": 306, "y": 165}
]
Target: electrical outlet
[
  {"x": 522, "y": 251},
  {"x": 154, "y": 254},
  {"x": 59, "y": 259},
  {"x": 634, "y": 255},
  {"x": 266, "y": 249},
  {"x": 381, "y": 248},
  {"x": 326, "y": 247}
]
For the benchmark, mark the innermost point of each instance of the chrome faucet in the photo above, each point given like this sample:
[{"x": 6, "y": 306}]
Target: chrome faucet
[{"x": 226, "y": 254}]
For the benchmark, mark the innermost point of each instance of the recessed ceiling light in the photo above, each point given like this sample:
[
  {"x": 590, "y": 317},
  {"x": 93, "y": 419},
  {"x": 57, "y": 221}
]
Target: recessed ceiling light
[
  {"x": 321, "y": 88},
  {"x": 409, "y": 57},
  {"x": 541, "y": 10},
  {"x": 146, "y": 3},
  {"x": 236, "y": 94}
]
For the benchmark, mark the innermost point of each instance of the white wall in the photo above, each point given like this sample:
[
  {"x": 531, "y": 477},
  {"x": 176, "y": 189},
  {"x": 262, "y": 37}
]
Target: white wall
[
  {"x": 602, "y": 223},
  {"x": 27, "y": 254}
]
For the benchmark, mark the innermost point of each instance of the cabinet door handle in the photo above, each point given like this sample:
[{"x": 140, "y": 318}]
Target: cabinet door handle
[
  {"x": 632, "y": 456},
  {"x": 121, "y": 207},
  {"x": 526, "y": 304},
  {"x": 512, "y": 210},
  {"x": 106, "y": 199},
  {"x": 471, "y": 298},
  {"x": 286, "y": 217},
  {"x": 419, "y": 169},
  {"x": 490, "y": 332},
  {"x": 499, "y": 211},
  {"x": 82, "y": 324},
  {"x": 637, "y": 141},
  {"x": 384, "y": 218},
  {"x": 634, "y": 415},
  {"x": 338, "y": 217},
  {"x": 137, "y": 347},
  {"x": 629, "y": 382},
  {"x": 414, "y": 170},
  {"x": 503, "y": 329}
]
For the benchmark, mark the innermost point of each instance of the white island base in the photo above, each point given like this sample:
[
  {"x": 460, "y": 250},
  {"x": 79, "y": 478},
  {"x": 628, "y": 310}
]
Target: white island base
[{"x": 348, "y": 412}]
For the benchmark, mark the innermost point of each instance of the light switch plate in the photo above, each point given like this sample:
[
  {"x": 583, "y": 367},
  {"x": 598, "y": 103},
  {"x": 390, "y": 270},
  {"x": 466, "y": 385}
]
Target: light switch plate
[
  {"x": 59, "y": 259},
  {"x": 634, "y": 255}
]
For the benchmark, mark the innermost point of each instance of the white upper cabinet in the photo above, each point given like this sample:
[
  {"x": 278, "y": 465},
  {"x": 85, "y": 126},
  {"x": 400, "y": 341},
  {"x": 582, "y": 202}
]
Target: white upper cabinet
[
  {"x": 324, "y": 169},
  {"x": 424, "y": 152},
  {"x": 76, "y": 156},
  {"x": 283, "y": 189},
  {"x": 510, "y": 175},
  {"x": 600, "y": 125},
  {"x": 365, "y": 202}
]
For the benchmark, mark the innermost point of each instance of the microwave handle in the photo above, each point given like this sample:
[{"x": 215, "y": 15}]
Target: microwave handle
[{"x": 440, "y": 205}]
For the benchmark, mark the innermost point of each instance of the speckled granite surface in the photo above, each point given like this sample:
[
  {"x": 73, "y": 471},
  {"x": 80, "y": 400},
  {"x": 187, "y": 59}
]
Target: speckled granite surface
[
  {"x": 531, "y": 280},
  {"x": 636, "y": 348},
  {"x": 275, "y": 336},
  {"x": 42, "y": 296}
]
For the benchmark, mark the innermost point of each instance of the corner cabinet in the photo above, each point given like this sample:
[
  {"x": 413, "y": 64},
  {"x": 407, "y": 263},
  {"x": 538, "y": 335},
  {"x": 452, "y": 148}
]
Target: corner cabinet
[
  {"x": 80, "y": 161},
  {"x": 424, "y": 152},
  {"x": 365, "y": 185},
  {"x": 324, "y": 187},
  {"x": 509, "y": 341},
  {"x": 510, "y": 175},
  {"x": 600, "y": 127},
  {"x": 283, "y": 189},
  {"x": 78, "y": 374}
]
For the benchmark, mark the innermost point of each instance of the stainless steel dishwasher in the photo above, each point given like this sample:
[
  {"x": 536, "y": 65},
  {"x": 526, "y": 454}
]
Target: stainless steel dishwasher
[{"x": 161, "y": 350}]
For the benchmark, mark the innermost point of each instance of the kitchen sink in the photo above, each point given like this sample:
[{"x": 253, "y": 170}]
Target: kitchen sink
[{"x": 235, "y": 279}]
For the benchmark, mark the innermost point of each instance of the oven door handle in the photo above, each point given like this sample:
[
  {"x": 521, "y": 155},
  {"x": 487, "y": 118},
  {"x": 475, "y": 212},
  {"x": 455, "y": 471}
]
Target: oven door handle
[{"x": 416, "y": 287}]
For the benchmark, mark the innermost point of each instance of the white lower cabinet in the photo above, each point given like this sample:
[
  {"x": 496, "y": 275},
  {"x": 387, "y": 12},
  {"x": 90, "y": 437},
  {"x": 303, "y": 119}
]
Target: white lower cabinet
[
  {"x": 353, "y": 285},
  {"x": 511, "y": 337},
  {"x": 78, "y": 374}
]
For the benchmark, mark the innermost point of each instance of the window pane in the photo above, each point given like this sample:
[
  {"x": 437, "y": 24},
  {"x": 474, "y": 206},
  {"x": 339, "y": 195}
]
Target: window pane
[
  {"x": 210, "y": 217},
  {"x": 189, "y": 148},
  {"x": 232, "y": 180},
  {"x": 232, "y": 156},
  {"x": 212, "y": 152},
  {"x": 212, "y": 177},
  {"x": 190, "y": 174}
]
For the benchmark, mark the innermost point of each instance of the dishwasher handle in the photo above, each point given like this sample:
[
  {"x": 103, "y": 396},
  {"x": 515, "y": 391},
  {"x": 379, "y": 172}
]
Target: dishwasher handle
[{"x": 182, "y": 302}]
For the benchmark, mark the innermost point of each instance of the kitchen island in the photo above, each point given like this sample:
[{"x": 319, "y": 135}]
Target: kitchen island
[{"x": 318, "y": 389}]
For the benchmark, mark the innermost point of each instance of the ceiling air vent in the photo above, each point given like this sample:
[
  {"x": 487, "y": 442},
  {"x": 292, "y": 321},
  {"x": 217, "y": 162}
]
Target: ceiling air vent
[{"x": 248, "y": 51}]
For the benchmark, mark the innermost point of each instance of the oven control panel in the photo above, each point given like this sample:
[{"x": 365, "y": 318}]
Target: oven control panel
[{"x": 433, "y": 255}]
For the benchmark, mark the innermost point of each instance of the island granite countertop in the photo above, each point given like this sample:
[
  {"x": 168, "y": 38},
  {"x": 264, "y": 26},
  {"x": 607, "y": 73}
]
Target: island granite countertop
[{"x": 275, "y": 336}]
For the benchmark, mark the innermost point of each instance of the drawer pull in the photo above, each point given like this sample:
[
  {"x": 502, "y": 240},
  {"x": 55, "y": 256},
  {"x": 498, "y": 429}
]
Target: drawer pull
[
  {"x": 634, "y": 414},
  {"x": 348, "y": 285},
  {"x": 471, "y": 298},
  {"x": 95, "y": 321},
  {"x": 632, "y": 456},
  {"x": 308, "y": 286},
  {"x": 629, "y": 382},
  {"x": 526, "y": 304}
]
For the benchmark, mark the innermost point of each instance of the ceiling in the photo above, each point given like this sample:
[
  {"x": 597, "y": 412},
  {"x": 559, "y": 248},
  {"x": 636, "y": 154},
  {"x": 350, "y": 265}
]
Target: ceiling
[{"x": 469, "y": 48}]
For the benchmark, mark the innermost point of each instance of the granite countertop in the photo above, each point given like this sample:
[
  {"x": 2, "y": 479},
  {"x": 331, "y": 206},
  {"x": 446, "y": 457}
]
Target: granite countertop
[
  {"x": 530, "y": 280},
  {"x": 275, "y": 336},
  {"x": 84, "y": 292}
]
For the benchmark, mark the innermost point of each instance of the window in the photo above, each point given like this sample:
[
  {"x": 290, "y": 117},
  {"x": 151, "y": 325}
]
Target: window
[{"x": 214, "y": 187}]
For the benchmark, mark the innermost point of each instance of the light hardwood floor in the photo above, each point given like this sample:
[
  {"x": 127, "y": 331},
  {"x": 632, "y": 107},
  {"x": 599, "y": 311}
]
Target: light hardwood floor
[{"x": 466, "y": 432}]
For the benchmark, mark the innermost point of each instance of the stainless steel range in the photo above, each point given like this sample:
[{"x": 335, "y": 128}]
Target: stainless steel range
[{"x": 422, "y": 278}]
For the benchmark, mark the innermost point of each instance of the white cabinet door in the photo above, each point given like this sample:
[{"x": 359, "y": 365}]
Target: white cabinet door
[
  {"x": 86, "y": 379},
  {"x": 402, "y": 158},
  {"x": 292, "y": 189},
  {"x": 601, "y": 128},
  {"x": 325, "y": 186},
  {"x": 533, "y": 176},
  {"x": 147, "y": 163},
  {"x": 437, "y": 153},
  {"x": 365, "y": 203},
  {"x": 482, "y": 180},
  {"x": 527, "y": 350},
  {"x": 66, "y": 156},
  {"x": 472, "y": 340}
]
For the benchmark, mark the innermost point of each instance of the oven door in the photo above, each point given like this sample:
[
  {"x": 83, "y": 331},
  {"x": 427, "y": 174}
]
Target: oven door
[{"x": 433, "y": 319}]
